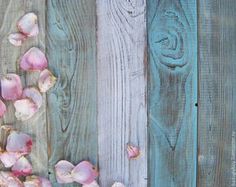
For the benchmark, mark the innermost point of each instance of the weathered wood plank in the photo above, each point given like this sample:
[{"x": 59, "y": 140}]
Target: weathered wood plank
[
  {"x": 10, "y": 12},
  {"x": 172, "y": 39},
  {"x": 121, "y": 87},
  {"x": 217, "y": 103},
  {"x": 71, "y": 49}
]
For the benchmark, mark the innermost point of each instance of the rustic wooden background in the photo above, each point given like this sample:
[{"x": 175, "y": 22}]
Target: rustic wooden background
[{"x": 160, "y": 74}]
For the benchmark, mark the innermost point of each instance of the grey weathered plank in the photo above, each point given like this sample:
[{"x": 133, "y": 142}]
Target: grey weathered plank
[
  {"x": 10, "y": 12},
  {"x": 217, "y": 78},
  {"x": 172, "y": 40},
  {"x": 71, "y": 50},
  {"x": 121, "y": 85}
]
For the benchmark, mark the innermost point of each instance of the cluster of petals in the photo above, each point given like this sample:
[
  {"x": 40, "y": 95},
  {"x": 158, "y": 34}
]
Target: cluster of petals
[
  {"x": 18, "y": 146},
  {"x": 27, "y": 101},
  {"x": 27, "y": 27},
  {"x": 83, "y": 173}
]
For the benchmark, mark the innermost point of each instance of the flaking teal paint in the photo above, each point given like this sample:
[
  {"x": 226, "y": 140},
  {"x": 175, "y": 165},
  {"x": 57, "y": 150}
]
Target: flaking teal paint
[{"x": 172, "y": 92}]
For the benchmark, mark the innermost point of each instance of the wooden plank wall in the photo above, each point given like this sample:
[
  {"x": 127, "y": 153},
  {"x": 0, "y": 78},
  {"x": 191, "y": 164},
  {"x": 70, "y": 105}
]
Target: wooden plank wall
[
  {"x": 128, "y": 72},
  {"x": 172, "y": 40},
  {"x": 217, "y": 81}
]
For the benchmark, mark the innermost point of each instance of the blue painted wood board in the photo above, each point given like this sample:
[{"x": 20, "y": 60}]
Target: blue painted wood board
[{"x": 172, "y": 92}]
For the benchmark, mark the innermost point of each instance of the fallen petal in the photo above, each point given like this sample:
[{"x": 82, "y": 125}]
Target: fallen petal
[
  {"x": 25, "y": 109},
  {"x": 84, "y": 173},
  {"x": 11, "y": 87},
  {"x": 28, "y": 24},
  {"x": 33, "y": 60},
  {"x": 7, "y": 179},
  {"x": 36, "y": 181},
  {"x": 16, "y": 39},
  {"x": 63, "y": 171},
  {"x": 2, "y": 108},
  {"x": 118, "y": 184},
  {"x": 133, "y": 151},
  {"x": 22, "y": 167},
  {"x": 93, "y": 184},
  {"x": 19, "y": 142},
  {"x": 46, "y": 80},
  {"x": 33, "y": 94},
  {"x": 9, "y": 158}
]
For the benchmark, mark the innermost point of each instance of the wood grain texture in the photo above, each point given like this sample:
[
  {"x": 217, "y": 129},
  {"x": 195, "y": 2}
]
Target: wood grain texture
[
  {"x": 121, "y": 83},
  {"x": 172, "y": 40},
  {"x": 10, "y": 12},
  {"x": 217, "y": 103},
  {"x": 71, "y": 49}
]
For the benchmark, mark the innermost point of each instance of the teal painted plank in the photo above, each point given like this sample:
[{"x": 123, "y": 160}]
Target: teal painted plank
[
  {"x": 172, "y": 40},
  {"x": 217, "y": 101},
  {"x": 71, "y": 50}
]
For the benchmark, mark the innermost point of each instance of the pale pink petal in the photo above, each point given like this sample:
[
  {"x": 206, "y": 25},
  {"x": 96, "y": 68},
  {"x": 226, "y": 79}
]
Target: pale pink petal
[
  {"x": 7, "y": 179},
  {"x": 22, "y": 167},
  {"x": 16, "y": 39},
  {"x": 45, "y": 182},
  {"x": 84, "y": 173},
  {"x": 11, "y": 87},
  {"x": 32, "y": 181},
  {"x": 46, "y": 80},
  {"x": 133, "y": 151},
  {"x": 36, "y": 181},
  {"x": 25, "y": 109},
  {"x": 28, "y": 24},
  {"x": 2, "y": 108},
  {"x": 34, "y": 60},
  {"x": 118, "y": 184},
  {"x": 63, "y": 171},
  {"x": 93, "y": 184},
  {"x": 9, "y": 158},
  {"x": 33, "y": 94},
  {"x": 19, "y": 142}
]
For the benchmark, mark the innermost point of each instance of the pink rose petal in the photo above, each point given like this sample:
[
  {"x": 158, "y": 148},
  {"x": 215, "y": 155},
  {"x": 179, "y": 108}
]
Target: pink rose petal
[
  {"x": 16, "y": 39},
  {"x": 28, "y": 24},
  {"x": 33, "y": 60},
  {"x": 93, "y": 184},
  {"x": 84, "y": 173},
  {"x": 33, "y": 94},
  {"x": 63, "y": 171},
  {"x": 46, "y": 80},
  {"x": 45, "y": 182},
  {"x": 36, "y": 181},
  {"x": 11, "y": 87},
  {"x": 2, "y": 108},
  {"x": 118, "y": 184},
  {"x": 7, "y": 179},
  {"x": 22, "y": 167},
  {"x": 19, "y": 142},
  {"x": 25, "y": 109},
  {"x": 9, "y": 158},
  {"x": 133, "y": 151}
]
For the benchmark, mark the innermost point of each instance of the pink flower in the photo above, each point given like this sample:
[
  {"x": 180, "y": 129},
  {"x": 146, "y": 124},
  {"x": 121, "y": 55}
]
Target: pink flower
[
  {"x": 63, "y": 171},
  {"x": 133, "y": 151},
  {"x": 7, "y": 179}
]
